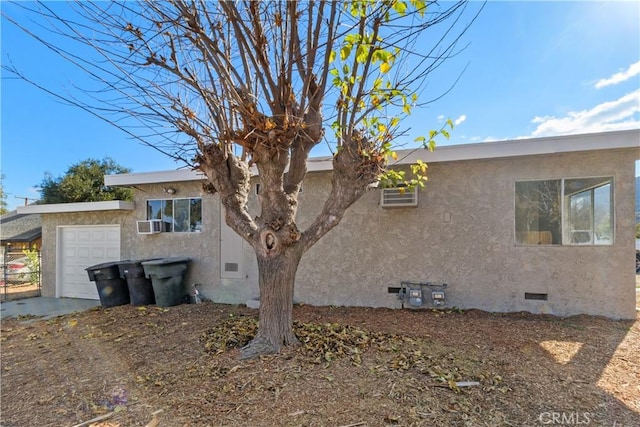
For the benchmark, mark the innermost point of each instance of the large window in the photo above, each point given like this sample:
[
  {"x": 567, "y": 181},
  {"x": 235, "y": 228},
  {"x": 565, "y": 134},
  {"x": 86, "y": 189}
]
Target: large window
[
  {"x": 177, "y": 215},
  {"x": 576, "y": 211}
]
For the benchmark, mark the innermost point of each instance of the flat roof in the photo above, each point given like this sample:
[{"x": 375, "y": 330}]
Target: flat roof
[
  {"x": 446, "y": 153},
  {"x": 157, "y": 177},
  {"x": 109, "y": 205}
]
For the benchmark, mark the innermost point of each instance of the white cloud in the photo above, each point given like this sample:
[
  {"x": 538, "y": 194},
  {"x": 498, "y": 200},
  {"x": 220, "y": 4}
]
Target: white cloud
[
  {"x": 608, "y": 116},
  {"x": 440, "y": 118},
  {"x": 460, "y": 119},
  {"x": 632, "y": 71},
  {"x": 493, "y": 139}
]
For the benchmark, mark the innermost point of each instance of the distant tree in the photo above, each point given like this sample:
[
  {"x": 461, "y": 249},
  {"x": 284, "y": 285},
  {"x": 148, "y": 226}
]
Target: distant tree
[
  {"x": 84, "y": 182},
  {"x": 3, "y": 197}
]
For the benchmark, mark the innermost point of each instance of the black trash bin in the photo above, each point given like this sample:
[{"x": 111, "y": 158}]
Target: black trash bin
[
  {"x": 112, "y": 289},
  {"x": 140, "y": 287},
  {"x": 167, "y": 278}
]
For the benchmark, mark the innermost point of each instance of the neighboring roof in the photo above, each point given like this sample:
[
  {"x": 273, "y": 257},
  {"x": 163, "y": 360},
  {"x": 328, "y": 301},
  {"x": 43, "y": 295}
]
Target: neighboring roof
[
  {"x": 16, "y": 227},
  {"x": 449, "y": 153},
  {"x": 110, "y": 205},
  {"x": 25, "y": 237},
  {"x": 11, "y": 216}
]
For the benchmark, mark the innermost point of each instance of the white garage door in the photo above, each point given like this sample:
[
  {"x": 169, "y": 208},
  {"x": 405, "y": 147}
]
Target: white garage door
[{"x": 80, "y": 247}]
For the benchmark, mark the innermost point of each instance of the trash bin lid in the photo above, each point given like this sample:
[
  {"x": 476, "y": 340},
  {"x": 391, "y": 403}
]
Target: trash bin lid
[
  {"x": 133, "y": 264},
  {"x": 165, "y": 261},
  {"x": 109, "y": 264}
]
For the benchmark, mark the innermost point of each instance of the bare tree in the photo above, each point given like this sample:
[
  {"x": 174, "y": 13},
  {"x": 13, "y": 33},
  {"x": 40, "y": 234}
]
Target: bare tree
[{"x": 234, "y": 85}]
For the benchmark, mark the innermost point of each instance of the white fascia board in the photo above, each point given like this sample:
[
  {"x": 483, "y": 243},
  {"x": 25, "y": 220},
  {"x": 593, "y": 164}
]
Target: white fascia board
[
  {"x": 446, "y": 153},
  {"x": 319, "y": 164},
  {"x": 110, "y": 205},
  {"x": 524, "y": 147},
  {"x": 158, "y": 177},
  {"x": 508, "y": 148}
]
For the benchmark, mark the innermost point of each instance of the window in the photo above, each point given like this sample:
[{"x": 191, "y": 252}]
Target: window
[
  {"x": 589, "y": 206},
  {"x": 538, "y": 212},
  {"x": 576, "y": 211},
  {"x": 177, "y": 215}
]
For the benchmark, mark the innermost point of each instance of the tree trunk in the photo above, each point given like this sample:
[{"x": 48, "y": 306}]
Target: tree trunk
[{"x": 276, "y": 279}]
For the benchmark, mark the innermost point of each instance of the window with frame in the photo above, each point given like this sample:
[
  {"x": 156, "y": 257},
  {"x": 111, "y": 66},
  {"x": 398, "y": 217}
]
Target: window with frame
[
  {"x": 177, "y": 215},
  {"x": 571, "y": 211}
]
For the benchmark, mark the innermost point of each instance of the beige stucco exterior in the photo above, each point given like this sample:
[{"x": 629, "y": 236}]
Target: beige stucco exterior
[
  {"x": 461, "y": 233},
  {"x": 203, "y": 247}
]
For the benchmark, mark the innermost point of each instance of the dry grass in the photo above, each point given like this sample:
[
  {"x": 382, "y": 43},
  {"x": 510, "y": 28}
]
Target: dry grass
[{"x": 356, "y": 366}]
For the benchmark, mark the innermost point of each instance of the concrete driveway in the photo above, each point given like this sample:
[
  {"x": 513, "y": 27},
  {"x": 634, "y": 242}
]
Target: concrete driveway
[{"x": 45, "y": 308}]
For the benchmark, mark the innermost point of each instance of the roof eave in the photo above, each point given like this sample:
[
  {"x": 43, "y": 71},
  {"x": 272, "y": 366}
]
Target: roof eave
[
  {"x": 109, "y": 205},
  {"x": 623, "y": 139}
]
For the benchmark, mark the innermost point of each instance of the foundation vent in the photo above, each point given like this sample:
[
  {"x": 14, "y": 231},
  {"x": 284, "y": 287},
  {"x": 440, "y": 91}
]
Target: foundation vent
[{"x": 539, "y": 297}]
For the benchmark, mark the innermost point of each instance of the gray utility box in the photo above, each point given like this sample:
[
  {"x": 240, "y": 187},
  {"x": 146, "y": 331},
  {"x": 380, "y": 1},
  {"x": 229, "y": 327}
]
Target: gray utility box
[
  {"x": 419, "y": 294},
  {"x": 112, "y": 289},
  {"x": 167, "y": 278}
]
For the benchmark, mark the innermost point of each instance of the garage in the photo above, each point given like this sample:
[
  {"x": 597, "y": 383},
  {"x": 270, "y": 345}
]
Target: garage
[
  {"x": 76, "y": 236},
  {"x": 81, "y": 247}
]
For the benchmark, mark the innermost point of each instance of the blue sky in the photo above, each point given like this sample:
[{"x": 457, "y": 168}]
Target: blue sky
[{"x": 533, "y": 69}]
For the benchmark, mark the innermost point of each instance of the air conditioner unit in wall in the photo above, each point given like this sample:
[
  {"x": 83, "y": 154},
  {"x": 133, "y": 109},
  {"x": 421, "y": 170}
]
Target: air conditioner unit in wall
[
  {"x": 398, "y": 197},
  {"x": 151, "y": 226}
]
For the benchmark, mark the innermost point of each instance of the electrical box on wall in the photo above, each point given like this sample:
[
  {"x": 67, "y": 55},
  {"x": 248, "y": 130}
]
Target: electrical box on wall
[
  {"x": 151, "y": 226},
  {"x": 419, "y": 294}
]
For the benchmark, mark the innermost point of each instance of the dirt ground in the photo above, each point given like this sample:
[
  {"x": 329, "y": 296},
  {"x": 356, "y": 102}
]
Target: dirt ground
[{"x": 151, "y": 366}]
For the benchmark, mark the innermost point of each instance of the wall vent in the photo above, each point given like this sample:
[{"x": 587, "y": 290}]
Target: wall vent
[
  {"x": 231, "y": 266},
  {"x": 398, "y": 197},
  {"x": 150, "y": 226},
  {"x": 539, "y": 297}
]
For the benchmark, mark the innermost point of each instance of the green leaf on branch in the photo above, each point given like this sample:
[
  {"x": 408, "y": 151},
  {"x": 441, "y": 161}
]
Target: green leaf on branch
[
  {"x": 345, "y": 51},
  {"x": 400, "y": 7},
  {"x": 420, "y": 6},
  {"x": 450, "y": 124},
  {"x": 362, "y": 53}
]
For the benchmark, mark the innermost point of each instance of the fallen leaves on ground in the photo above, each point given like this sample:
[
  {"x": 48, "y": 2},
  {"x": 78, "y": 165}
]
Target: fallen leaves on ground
[{"x": 179, "y": 366}]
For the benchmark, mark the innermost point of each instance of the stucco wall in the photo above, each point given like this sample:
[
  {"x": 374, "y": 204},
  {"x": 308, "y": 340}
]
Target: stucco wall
[
  {"x": 462, "y": 233},
  {"x": 203, "y": 247}
]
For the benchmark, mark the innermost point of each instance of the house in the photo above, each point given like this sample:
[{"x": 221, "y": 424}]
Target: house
[
  {"x": 540, "y": 225},
  {"x": 20, "y": 231}
]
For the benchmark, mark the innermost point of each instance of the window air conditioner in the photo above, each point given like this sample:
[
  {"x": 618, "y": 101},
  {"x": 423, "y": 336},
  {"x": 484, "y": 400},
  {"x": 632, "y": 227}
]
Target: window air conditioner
[
  {"x": 398, "y": 197},
  {"x": 151, "y": 226}
]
